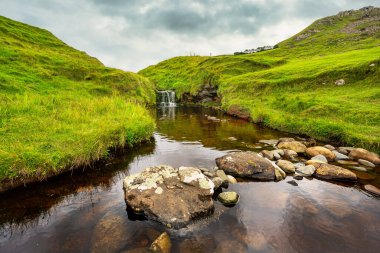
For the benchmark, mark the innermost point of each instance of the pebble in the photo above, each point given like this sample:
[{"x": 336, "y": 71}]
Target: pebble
[
  {"x": 286, "y": 166},
  {"x": 267, "y": 154},
  {"x": 358, "y": 168},
  {"x": 305, "y": 171},
  {"x": 372, "y": 189},
  {"x": 366, "y": 163},
  {"x": 292, "y": 182},
  {"x": 162, "y": 244},
  {"x": 329, "y": 147},
  {"x": 340, "y": 156},
  {"x": 217, "y": 182},
  {"x": 223, "y": 176},
  {"x": 279, "y": 151},
  {"x": 209, "y": 174},
  {"x": 228, "y": 198},
  {"x": 320, "y": 158},
  {"x": 231, "y": 179},
  {"x": 345, "y": 162},
  {"x": 269, "y": 142}
]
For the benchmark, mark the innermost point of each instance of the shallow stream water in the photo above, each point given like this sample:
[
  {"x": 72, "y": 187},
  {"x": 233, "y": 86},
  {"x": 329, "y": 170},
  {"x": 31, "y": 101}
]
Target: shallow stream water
[{"x": 84, "y": 211}]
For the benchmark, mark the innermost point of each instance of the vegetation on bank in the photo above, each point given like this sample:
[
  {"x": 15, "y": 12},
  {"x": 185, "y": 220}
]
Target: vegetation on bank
[
  {"x": 60, "y": 108},
  {"x": 292, "y": 87}
]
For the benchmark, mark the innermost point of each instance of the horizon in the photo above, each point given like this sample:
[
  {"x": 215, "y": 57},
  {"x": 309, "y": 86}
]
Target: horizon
[{"x": 131, "y": 35}]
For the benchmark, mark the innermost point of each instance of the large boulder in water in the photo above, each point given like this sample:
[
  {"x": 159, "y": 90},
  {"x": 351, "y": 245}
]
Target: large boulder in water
[
  {"x": 360, "y": 153},
  {"x": 171, "y": 196},
  {"x": 247, "y": 165}
]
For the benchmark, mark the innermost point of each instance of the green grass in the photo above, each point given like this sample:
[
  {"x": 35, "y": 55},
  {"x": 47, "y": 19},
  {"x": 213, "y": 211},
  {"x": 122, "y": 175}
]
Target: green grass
[
  {"x": 60, "y": 108},
  {"x": 292, "y": 87}
]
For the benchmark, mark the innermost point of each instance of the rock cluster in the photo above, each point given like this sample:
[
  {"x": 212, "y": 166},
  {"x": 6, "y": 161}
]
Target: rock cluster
[
  {"x": 288, "y": 157},
  {"x": 177, "y": 196}
]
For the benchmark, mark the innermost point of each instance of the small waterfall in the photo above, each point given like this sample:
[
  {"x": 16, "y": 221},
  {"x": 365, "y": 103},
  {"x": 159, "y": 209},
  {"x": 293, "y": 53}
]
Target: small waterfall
[{"x": 166, "y": 98}]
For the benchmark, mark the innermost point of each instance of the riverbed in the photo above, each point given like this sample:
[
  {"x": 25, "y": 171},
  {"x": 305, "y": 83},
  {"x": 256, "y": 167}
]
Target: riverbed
[{"x": 84, "y": 210}]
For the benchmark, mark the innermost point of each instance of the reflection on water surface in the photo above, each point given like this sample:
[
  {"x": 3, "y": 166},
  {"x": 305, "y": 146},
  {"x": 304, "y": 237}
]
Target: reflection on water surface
[{"x": 84, "y": 211}]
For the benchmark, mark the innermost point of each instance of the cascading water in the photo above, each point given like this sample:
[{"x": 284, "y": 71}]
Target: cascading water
[{"x": 167, "y": 98}]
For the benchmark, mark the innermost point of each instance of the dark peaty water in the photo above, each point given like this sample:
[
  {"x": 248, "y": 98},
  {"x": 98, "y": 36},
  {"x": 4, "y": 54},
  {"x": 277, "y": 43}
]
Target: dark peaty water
[{"x": 84, "y": 211}]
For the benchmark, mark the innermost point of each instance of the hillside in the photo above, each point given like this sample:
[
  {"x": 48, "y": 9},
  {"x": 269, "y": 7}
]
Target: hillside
[
  {"x": 60, "y": 108},
  {"x": 292, "y": 87}
]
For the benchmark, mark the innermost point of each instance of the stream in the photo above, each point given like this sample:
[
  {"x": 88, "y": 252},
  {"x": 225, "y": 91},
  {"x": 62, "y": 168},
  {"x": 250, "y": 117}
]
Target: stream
[{"x": 84, "y": 210}]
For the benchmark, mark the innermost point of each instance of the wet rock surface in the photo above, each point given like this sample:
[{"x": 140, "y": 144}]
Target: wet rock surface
[
  {"x": 318, "y": 150},
  {"x": 372, "y": 189},
  {"x": 305, "y": 170},
  {"x": 162, "y": 244},
  {"x": 292, "y": 145},
  {"x": 286, "y": 166},
  {"x": 239, "y": 111},
  {"x": 332, "y": 172},
  {"x": 360, "y": 153},
  {"x": 247, "y": 164},
  {"x": 171, "y": 196},
  {"x": 228, "y": 198}
]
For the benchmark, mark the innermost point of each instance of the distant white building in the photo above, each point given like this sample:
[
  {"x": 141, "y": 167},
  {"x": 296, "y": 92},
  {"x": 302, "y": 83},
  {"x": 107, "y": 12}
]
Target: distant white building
[{"x": 255, "y": 50}]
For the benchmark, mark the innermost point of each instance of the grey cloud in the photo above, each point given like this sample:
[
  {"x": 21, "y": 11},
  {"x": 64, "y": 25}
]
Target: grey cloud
[{"x": 132, "y": 34}]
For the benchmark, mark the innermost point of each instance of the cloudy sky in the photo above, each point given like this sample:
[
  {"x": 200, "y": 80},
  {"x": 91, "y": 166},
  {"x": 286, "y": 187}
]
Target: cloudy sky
[{"x": 133, "y": 34}]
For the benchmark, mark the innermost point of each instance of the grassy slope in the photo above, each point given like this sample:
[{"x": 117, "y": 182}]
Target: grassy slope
[
  {"x": 59, "y": 107},
  {"x": 292, "y": 87}
]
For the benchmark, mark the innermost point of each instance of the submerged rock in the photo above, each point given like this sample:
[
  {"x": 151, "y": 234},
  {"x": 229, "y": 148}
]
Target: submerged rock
[
  {"x": 162, "y": 244},
  {"x": 318, "y": 150},
  {"x": 292, "y": 182},
  {"x": 171, "y": 196},
  {"x": 292, "y": 145},
  {"x": 360, "y": 153},
  {"x": 228, "y": 198},
  {"x": 372, "y": 189},
  {"x": 332, "y": 172},
  {"x": 110, "y": 224},
  {"x": 247, "y": 164}
]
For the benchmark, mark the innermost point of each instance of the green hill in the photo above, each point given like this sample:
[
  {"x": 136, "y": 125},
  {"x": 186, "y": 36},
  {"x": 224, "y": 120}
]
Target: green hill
[
  {"x": 292, "y": 87},
  {"x": 60, "y": 108}
]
